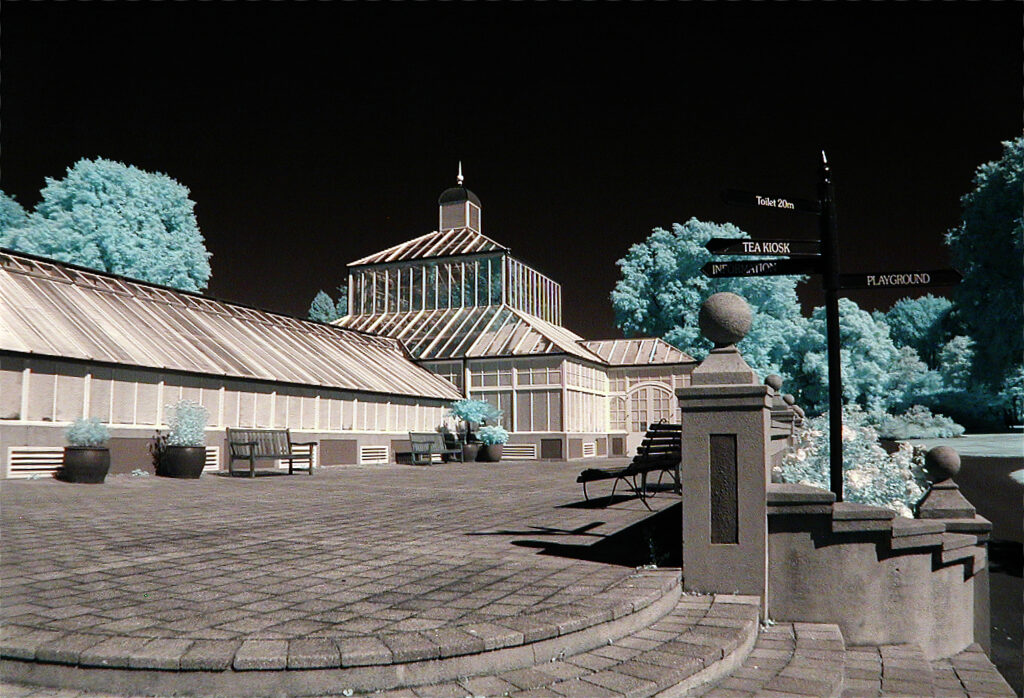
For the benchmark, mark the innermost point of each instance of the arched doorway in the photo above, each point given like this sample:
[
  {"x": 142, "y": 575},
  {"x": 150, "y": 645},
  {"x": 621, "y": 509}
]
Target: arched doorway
[{"x": 647, "y": 403}]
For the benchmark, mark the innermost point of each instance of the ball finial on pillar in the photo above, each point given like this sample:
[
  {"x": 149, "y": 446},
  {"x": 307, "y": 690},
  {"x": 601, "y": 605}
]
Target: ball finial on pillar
[
  {"x": 725, "y": 318},
  {"x": 774, "y": 382},
  {"x": 942, "y": 462}
]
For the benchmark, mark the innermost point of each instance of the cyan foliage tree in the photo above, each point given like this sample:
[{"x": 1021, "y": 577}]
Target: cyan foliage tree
[
  {"x": 876, "y": 375},
  {"x": 919, "y": 323},
  {"x": 988, "y": 249},
  {"x": 325, "y": 309},
  {"x": 662, "y": 289},
  {"x": 117, "y": 218},
  {"x": 12, "y": 215}
]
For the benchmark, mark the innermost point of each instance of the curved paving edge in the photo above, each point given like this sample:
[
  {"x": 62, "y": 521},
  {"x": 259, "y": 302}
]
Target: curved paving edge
[
  {"x": 321, "y": 665},
  {"x": 700, "y": 640}
]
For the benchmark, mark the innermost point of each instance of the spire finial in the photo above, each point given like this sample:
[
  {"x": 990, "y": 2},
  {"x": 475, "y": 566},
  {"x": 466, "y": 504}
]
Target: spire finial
[{"x": 460, "y": 178}]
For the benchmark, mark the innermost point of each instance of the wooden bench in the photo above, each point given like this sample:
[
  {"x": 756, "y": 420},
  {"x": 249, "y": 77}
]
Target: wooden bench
[
  {"x": 660, "y": 452},
  {"x": 267, "y": 444},
  {"x": 424, "y": 445}
]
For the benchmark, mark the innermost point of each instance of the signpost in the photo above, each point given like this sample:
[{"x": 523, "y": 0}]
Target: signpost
[{"x": 815, "y": 257}]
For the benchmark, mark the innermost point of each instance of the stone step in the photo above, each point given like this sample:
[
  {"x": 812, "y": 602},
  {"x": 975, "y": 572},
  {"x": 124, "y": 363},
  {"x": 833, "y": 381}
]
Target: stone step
[
  {"x": 324, "y": 665},
  {"x": 700, "y": 641},
  {"x": 788, "y": 658}
]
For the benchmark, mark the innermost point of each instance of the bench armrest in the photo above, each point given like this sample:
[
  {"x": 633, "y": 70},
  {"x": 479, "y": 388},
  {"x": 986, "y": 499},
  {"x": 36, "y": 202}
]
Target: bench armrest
[{"x": 302, "y": 443}]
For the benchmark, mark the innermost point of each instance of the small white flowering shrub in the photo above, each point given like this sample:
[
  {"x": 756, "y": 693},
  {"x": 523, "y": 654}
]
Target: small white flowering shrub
[
  {"x": 492, "y": 435},
  {"x": 87, "y": 433},
  {"x": 187, "y": 420},
  {"x": 918, "y": 422},
  {"x": 896, "y": 481}
]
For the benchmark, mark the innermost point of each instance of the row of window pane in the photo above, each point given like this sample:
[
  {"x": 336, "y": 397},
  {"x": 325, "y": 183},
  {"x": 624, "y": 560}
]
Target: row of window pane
[
  {"x": 58, "y": 393},
  {"x": 426, "y": 286}
]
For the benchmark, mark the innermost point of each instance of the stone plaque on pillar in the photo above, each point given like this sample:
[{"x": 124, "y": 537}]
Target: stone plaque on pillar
[{"x": 725, "y": 461}]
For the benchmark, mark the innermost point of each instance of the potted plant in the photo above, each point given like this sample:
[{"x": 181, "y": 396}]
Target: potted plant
[
  {"x": 492, "y": 439},
  {"x": 181, "y": 453},
  {"x": 86, "y": 457},
  {"x": 469, "y": 413}
]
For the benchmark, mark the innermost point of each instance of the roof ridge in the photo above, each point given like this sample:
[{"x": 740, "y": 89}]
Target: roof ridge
[{"x": 416, "y": 249}]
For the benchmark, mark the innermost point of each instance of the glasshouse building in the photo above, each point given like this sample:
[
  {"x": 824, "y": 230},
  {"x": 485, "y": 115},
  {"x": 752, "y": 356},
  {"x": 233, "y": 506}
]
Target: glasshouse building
[
  {"x": 74, "y": 342},
  {"x": 466, "y": 309}
]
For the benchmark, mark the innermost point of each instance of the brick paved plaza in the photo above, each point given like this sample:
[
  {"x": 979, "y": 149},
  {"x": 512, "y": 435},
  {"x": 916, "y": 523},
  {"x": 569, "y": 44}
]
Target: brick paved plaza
[{"x": 451, "y": 580}]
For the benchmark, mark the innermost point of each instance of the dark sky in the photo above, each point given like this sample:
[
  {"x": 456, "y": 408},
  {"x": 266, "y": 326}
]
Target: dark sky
[{"x": 313, "y": 134}]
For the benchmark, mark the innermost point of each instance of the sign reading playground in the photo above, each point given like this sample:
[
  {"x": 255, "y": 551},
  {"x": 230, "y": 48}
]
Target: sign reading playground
[{"x": 901, "y": 279}]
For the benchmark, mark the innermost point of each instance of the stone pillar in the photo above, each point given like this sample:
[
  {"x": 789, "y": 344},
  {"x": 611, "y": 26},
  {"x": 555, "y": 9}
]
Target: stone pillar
[
  {"x": 725, "y": 468},
  {"x": 944, "y": 503}
]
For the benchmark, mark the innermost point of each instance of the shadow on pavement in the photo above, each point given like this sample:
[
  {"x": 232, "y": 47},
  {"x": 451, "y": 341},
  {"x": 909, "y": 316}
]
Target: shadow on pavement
[{"x": 657, "y": 540}]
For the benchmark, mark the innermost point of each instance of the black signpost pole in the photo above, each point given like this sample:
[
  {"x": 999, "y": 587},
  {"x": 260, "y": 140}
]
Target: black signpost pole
[{"x": 830, "y": 254}]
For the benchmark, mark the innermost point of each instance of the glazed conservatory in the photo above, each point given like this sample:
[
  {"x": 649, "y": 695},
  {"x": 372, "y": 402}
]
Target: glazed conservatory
[
  {"x": 469, "y": 311},
  {"x": 78, "y": 343}
]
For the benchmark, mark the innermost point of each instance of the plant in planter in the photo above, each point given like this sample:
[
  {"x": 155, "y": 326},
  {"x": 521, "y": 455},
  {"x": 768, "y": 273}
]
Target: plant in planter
[
  {"x": 181, "y": 453},
  {"x": 86, "y": 457},
  {"x": 492, "y": 438},
  {"x": 469, "y": 413}
]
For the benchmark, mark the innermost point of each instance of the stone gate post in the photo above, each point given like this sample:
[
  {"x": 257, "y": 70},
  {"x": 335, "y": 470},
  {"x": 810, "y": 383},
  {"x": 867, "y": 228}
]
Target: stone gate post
[{"x": 725, "y": 461}]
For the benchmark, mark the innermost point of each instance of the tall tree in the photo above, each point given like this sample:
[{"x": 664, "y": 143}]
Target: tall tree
[
  {"x": 662, "y": 289},
  {"x": 12, "y": 215},
  {"x": 117, "y": 218},
  {"x": 919, "y": 323},
  {"x": 325, "y": 309},
  {"x": 988, "y": 248}
]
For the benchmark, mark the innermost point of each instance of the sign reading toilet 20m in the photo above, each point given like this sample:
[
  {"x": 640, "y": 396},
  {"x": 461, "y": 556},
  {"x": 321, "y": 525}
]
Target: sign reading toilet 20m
[{"x": 820, "y": 257}]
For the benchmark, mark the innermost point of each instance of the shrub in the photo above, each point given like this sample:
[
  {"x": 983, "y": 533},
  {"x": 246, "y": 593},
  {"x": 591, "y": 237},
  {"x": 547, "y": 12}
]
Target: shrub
[
  {"x": 87, "y": 433},
  {"x": 916, "y": 423},
  {"x": 492, "y": 435},
  {"x": 188, "y": 424},
  {"x": 896, "y": 481},
  {"x": 474, "y": 411}
]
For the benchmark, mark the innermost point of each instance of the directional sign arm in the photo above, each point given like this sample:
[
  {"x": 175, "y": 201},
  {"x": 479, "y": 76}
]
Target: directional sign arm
[
  {"x": 901, "y": 279},
  {"x": 779, "y": 267},
  {"x": 775, "y": 248},
  {"x": 780, "y": 203}
]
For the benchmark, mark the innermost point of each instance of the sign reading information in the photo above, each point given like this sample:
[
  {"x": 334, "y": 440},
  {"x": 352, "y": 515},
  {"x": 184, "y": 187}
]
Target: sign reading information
[
  {"x": 779, "y": 267},
  {"x": 791, "y": 248}
]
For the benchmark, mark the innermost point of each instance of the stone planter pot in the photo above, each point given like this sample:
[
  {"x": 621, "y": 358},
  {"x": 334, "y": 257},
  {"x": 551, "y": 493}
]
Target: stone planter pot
[
  {"x": 84, "y": 464},
  {"x": 489, "y": 453},
  {"x": 185, "y": 462},
  {"x": 470, "y": 452}
]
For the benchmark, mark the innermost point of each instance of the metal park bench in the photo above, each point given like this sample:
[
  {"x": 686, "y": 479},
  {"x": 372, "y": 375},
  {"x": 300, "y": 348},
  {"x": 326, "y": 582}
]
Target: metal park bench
[
  {"x": 423, "y": 446},
  {"x": 660, "y": 452},
  {"x": 267, "y": 444}
]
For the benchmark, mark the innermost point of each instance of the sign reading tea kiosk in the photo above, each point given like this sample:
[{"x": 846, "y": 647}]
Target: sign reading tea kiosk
[
  {"x": 901, "y": 279},
  {"x": 790, "y": 248}
]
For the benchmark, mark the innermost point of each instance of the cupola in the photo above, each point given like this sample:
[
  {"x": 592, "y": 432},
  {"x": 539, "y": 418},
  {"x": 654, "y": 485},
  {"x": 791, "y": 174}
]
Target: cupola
[{"x": 459, "y": 207}]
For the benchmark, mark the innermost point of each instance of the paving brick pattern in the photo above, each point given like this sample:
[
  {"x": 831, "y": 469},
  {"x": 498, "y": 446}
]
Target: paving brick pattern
[
  {"x": 698, "y": 633},
  {"x": 362, "y": 566},
  {"x": 789, "y": 659},
  {"x": 902, "y": 670},
  {"x": 388, "y": 564}
]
